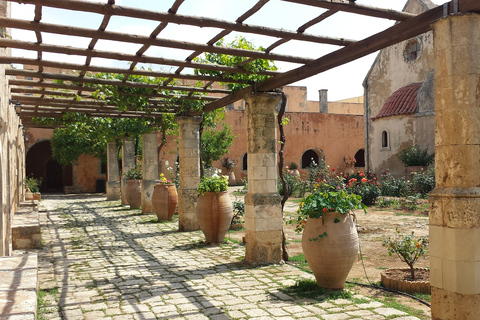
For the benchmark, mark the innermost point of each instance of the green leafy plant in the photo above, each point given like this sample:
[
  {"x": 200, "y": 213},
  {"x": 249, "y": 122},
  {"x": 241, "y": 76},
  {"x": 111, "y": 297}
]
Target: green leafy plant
[
  {"x": 424, "y": 181},
  {"x": 293, "y": 166},
  {"x": 296, "y": 185},
  {"x": 386, "y": 202},
  {"x": 238, "y": 211},
  {"x": 228, "y": 163},
  {"x": 134, "y": 173},
  {"x": 317, "y": 204},
  {"x": 407, "y": 248},
  {"x": 391, "y": 186},
  {"x": 415, "y": 156},
  {"x": 33, "y": 184},
  {"x": 366, "y": 186},
  {"x": 216, "y": 143},
  {"x": 214, "y": 183}
]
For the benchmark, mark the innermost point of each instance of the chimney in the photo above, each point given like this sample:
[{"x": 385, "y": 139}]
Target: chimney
[{"x": 323, "y": 100}]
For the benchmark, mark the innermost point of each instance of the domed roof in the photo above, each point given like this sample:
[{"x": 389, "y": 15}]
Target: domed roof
[{"x": 402, "y": 101}]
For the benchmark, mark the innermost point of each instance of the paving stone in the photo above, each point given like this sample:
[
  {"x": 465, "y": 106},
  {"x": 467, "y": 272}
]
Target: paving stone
[
  {"x": 127, "y": 268},
  {"x": 389, "y": 312}
]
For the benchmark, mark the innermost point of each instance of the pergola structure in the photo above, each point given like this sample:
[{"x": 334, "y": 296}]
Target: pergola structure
[
  {"x": 454, "y": 217},
  {"x": 42, "y": 97}
]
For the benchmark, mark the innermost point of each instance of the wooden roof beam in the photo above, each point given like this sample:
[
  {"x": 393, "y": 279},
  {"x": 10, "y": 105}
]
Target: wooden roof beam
[
  {"x": 201, "y": 22},
  {"x": 123, "y": 57},
  {"x": 129, "y": 38}
]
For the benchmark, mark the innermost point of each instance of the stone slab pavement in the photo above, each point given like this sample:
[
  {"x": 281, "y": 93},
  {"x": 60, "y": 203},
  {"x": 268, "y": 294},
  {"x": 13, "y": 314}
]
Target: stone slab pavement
[{"x": 110, "y": 262}]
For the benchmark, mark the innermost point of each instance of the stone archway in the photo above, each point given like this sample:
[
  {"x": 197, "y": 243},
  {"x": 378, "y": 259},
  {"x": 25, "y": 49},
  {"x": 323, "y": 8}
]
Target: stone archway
[
  {"x": 310, "y": 156},
  {"x": 40, "y": 164}
]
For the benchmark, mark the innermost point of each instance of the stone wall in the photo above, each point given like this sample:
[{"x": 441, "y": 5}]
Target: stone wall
[{"x": 12, "y": 150}]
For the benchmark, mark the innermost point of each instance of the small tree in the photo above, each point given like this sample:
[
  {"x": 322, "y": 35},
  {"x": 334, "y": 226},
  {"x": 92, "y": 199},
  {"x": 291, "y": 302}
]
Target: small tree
[{"x": 407, "y": 248}]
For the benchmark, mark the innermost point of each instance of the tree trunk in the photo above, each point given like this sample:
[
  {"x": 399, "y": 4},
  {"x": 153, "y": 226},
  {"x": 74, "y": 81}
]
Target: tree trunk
[{"x": 286, "y": 191}]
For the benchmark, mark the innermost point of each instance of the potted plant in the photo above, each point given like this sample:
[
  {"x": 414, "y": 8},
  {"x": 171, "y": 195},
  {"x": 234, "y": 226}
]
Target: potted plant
[
  {"x": 133, "y": 190},
  {"x": 415, "y": 159},
  {"x": 408, "y": 249},
  {"x": 32, "y": 188},
  {"x": 331, "y": 254},
  {"x": 229, "y": 164},
  {"x": 214, "y": 208},
  {"x": 294, "y": 169},
  {"x": 164, "y": 198},
  {"x": 349, "y": 164},
  {"x": 238, "y": 214}
]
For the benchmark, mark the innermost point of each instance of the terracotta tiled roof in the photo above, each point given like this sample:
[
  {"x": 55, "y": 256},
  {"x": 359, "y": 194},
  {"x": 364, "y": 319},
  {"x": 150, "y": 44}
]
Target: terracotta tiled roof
[{"x": 402, "y": 101}]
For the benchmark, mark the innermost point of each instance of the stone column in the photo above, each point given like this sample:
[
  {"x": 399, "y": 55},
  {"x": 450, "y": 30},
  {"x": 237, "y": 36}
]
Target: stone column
[
  {"x": 189, "y": 157},
  {"x": 455, "y": 202},
  {"x": 263, "y": 211},
  {"x": 113, "y": 183},
  {"x": 149, "y": 168},
  {"x": 128, "y": 161}
]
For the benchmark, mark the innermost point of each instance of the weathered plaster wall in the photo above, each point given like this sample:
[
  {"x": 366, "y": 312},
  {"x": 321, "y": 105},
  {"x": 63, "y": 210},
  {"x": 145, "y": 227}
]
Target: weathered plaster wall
[
  {"x": 12, "y": 150},
  {"x": 389, "y": 73}
]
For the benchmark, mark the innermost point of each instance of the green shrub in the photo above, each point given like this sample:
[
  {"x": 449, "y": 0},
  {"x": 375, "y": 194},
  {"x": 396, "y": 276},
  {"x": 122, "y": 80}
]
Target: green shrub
[
  {"x": 366, "y": 186},
  {"x": 415, "y": 156},
  {"x": 424, "y": 181},
  {"x": 33, "y": 184},
  {"x": 391, "y": 186}
]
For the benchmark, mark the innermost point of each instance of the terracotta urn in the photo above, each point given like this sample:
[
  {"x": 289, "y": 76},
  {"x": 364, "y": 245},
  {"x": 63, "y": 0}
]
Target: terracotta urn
[
  {"x": 164, "y": 200},
  {"x": 330, "y": 258},
  {"x": 231, "y": 178},
  {"x": 349, "y": 171},
  {"x": 28, "y": 194},
  {"x": 133, "y": 193},
  {"x": 214, "y": 214}
]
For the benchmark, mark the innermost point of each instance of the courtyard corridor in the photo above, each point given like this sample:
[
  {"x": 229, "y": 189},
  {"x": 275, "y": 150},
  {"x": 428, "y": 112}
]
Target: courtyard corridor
[{"x": 104, "y": 261}]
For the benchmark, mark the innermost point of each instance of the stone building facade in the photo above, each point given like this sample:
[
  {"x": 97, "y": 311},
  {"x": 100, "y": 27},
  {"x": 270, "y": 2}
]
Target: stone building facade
[
  {"x": 12, "y": 153},
  {"x": 397, "y": 117}
]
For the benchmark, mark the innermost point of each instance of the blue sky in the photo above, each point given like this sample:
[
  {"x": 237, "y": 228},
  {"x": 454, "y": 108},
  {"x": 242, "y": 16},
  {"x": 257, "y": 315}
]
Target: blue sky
[{"x": 342, "y": 82}]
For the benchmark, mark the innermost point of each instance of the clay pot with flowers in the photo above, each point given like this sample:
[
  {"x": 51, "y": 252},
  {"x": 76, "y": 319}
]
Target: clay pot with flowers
[
  {"x": 133, "y": 189},
  {"x": 349, "y": 165},
  {"x": 214, "y": 208},
  {"x": 330, "y": 239},
  {"x": 164, "y": 198},
  {"x": 229, "y": 164}
]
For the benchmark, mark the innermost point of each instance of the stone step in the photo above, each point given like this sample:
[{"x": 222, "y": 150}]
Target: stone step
[{"x": 26, "y": 228}]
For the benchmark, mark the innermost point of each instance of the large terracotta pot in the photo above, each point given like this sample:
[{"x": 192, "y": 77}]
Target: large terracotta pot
[
  {"x": 164, "y": 201},
  {"x": 330, "y": 258},
  {"x": 133, "y": 193},
  {"x": 231, "y": 178},
  {"x": 214, "y": 215}
]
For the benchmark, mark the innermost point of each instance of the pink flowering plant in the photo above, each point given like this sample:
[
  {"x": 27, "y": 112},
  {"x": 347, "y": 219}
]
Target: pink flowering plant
[
  {"x": 163, "y": 180},
  {"x": 317, "y": 204}
]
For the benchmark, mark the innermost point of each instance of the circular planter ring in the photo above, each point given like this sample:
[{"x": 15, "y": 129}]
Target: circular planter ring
[{"x": 406, "y": 286}]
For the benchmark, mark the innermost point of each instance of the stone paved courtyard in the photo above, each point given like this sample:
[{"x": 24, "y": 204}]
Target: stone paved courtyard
[{"x": 110, "y": 262}]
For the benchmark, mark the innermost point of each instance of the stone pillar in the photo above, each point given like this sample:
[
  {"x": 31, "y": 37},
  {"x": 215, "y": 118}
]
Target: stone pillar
[
  {"x": 189, "y": 157},
  {"x": 455, "y": 202},
  {"x": 113, "y": 183},
  {"x": 149, "y": 168},
  {"x": 128, "y": 161},
  {"x": 263, "y": 211}
]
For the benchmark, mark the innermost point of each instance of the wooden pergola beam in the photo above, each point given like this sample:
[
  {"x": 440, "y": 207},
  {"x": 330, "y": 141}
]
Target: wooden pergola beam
[
  {"x": 201, "y": 22},
  {"x": 17, "y": 44},
  {"x": 397, "y": 33},
  {"x": 122, "y": 37},
  {"x": 352, "y": 7},
  {"x": 65, "y": 77}
]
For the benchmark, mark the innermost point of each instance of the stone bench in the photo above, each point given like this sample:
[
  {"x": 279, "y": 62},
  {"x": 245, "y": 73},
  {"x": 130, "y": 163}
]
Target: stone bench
[
  {"x": 18, "y": 288},
  {"x": 26, "y": 227}
]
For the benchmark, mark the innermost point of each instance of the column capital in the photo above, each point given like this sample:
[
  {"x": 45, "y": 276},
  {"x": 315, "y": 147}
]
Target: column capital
[{"x": 188, "y": 119}]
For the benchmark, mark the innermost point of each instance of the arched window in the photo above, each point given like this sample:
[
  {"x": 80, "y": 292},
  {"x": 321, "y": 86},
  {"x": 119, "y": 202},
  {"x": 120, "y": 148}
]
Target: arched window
[
  {"x": 384, "y": 139},
  {"x": 244, "y": 162},
  {"x": 311, "y": 156},
  {"x": 360, "y": 158}
]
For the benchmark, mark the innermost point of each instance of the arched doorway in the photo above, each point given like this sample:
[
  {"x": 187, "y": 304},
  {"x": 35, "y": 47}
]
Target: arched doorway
[
  {"x": 312, "y": 156},
  {"x": 40, "y": 164},
  {"x": 360, "y": 158}
]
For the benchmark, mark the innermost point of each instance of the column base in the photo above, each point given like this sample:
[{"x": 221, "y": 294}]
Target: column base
[
  {"x": 264, "y": 226},
  {"x": 147, "y": 194},
  {"x": 448, "y": 305},
  {"x": 187, "y": 203},
  {"x": 113, "y": 190}
]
